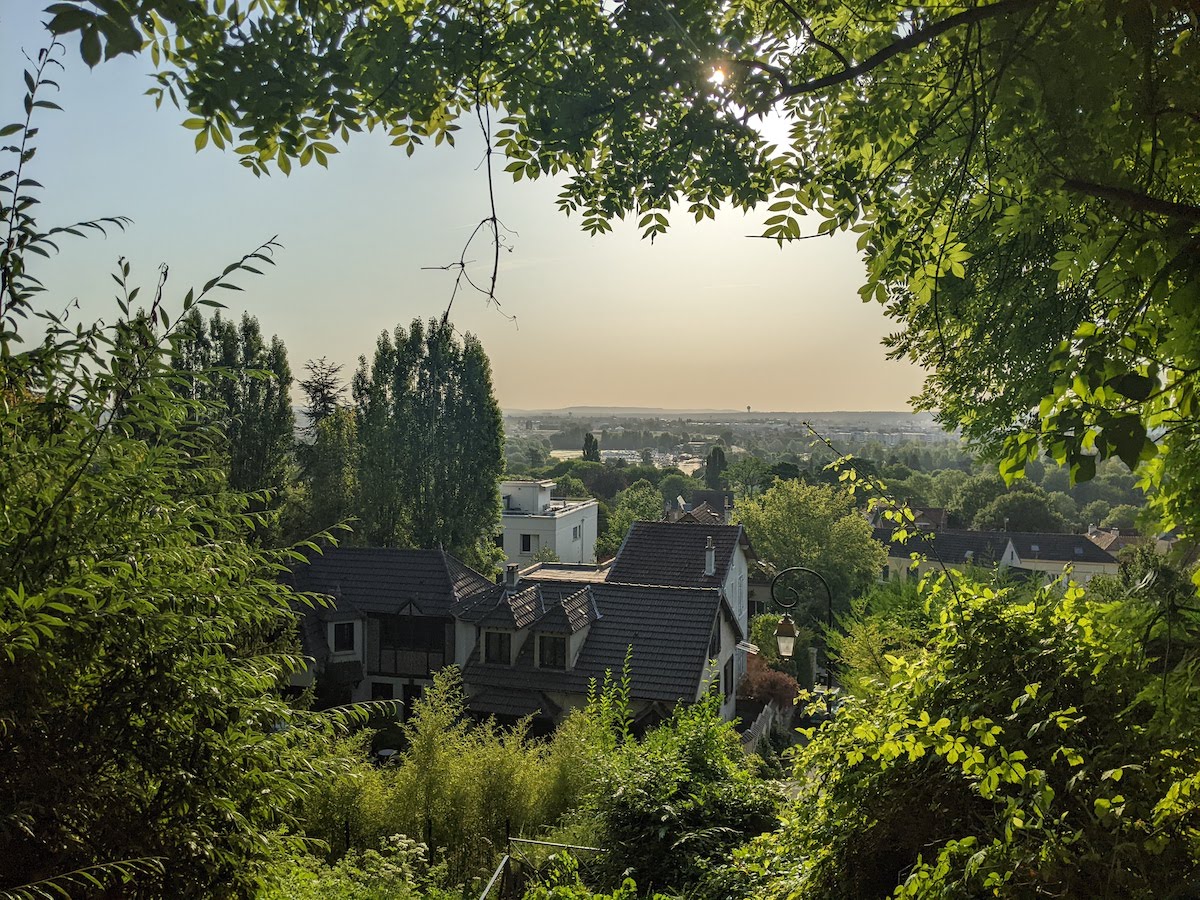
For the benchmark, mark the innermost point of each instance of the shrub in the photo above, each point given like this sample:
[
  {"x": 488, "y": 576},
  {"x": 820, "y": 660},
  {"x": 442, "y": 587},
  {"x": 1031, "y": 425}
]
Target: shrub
[
  {"x": 765, "y": 685},
  {"x": 672, "y": 805},
  {"x": 1032, "y": 748}
]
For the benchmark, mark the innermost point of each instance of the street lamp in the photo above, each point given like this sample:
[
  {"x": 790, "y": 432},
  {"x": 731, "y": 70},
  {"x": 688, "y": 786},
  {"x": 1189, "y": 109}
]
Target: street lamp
[{"x": 786, "y": 597}]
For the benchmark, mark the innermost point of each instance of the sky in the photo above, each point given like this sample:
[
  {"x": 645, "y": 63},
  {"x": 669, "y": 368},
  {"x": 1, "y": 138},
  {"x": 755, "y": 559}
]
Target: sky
[{"x": 706, "y": 317}]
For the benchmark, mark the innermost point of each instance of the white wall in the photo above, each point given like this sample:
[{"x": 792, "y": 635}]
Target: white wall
[
  {"x": 737, "y": 594},
  {"x": 553, "y": 531},
  {"x": 569, "y": 549}
]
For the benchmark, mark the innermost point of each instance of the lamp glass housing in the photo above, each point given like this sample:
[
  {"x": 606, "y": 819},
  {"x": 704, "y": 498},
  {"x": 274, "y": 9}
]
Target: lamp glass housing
[{"x": 785, "y": 637}]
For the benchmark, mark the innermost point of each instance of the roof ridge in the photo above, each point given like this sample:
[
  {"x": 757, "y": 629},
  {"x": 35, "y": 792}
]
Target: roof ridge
[{"x": 665, "y": 587}]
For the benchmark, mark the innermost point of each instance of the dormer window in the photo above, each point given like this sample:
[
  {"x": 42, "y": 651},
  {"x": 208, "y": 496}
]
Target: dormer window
[
  {"x": 497, "y": 647},
  {"x": 552, "y": 651}
]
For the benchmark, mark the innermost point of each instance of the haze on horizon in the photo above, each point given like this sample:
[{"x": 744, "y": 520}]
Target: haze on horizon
[{"x": 704, "y": 318}]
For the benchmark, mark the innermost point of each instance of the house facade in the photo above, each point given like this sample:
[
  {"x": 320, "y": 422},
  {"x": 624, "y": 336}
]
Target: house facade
[
  {"x": 530, "y": 648},
  {"x": 388, "y": 627},
  {"x": 526, "y": 647},
  {"x": 533, "y": 520}
]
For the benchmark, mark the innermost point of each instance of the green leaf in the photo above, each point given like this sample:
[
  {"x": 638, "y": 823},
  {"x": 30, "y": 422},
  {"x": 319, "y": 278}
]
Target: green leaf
[
  {"x": 89, "y": 46},
  {"x": 1133, "y": 385}
]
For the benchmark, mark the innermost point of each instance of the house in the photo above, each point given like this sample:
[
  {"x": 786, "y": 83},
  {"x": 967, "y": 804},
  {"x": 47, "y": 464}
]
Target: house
[
  {"x": 1026, "y": 552},
  {"x": 526, "y": 647},
  {"x": 720, "y": 501},
  {"x": 691, "y": 556},
  {"x": 389, "y": 627},
  {"x": 534, "y": 520},
  {"x": 701, "y": 514},
  {"x": 1051, "y": 553},
  {"x": 537, "y": 648}
]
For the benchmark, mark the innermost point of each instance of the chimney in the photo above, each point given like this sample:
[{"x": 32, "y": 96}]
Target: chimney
[
  {"x": 512, "y": 575},
  {"x": 710, "y": 557}
]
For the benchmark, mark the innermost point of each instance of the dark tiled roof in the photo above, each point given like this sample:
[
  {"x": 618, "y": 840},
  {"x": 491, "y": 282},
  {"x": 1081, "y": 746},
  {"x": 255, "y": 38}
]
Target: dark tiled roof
[
  {"x": 938, "y": 517},
  {"x": 516, "y": 703},
  {"x": 1065, "y": 548},
  {"x": 668, "y": 628},
  {"x": 388, "y": 580},
  {"x": 718, "y": 500},
  {"x": 549, "y": 607},
  {"x": 673, "y": 554},
  {"x": 987, "y": 547},
  {"x": 699, "y": 515},
  {"x": 954, "y": 548}
]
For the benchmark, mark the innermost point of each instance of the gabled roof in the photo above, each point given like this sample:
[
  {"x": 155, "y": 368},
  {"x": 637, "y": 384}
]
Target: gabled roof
[
  {"x": 718, "y": 500},
  {"x": 388, "y": 580},
  {"x": 1064, "y": 548},
  {"x": 665, "y": 553},
  {"x": 954, "y": 548},
  {"x": 551, "y": 607},
  {"x": 668, "y": 628},
  {"x": 987, "y": 547},
  {"x": 698, "y": 515}
]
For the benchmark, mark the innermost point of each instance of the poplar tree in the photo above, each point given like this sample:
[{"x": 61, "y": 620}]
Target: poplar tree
[
  {"x": 245, "y": 385},
  {"x": 430, "y": 442}
]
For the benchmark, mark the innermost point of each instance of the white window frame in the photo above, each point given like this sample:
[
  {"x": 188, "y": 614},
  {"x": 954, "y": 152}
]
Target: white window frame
[{"x": 356, "y": 631}]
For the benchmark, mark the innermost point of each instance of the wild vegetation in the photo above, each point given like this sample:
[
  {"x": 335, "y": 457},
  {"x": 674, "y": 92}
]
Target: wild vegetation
[{"x": 1021, "y": 174}]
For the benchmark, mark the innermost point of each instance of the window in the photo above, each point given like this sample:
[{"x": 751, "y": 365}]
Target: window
[
  {"x": 552, "y": 651},
  {"x": 527, "y": 543},
  {"x": 343, "y": 637},
  {"x": 714, "y": 643},
  {"x": 576, "y": 532},
  {"x": 498, "y": 540},
  {"x": 497, "y": 647},
  {"x": 728, "y": 676},
  {"x": 411, "y": 633},
  {"x": 382, "y": 690}
]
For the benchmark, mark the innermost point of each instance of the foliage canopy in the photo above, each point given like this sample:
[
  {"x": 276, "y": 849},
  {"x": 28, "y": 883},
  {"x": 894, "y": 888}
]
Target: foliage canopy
[{"x": 1021, "y": 173}]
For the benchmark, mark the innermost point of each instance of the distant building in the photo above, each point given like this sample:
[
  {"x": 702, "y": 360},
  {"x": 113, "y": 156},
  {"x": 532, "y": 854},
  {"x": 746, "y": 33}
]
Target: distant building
[
  {"x": 1048, "y": 554},
  {"x": 534, "y": 520}
]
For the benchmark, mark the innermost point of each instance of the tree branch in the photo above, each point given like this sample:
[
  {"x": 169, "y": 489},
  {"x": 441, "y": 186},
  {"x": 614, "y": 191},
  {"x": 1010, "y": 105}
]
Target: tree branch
[
  {"x": 910, "y": 41},
  {"x": 1135, "y": 199}
]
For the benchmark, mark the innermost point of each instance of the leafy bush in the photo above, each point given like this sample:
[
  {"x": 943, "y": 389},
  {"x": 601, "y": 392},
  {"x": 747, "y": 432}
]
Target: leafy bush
[
  {"x": 459, "y": 784},
  {"x": 397, "y": 870},
  {"x": 671, "y": 806},
  {"x": 144, "y": 639},
  {"x": 766, "y": 685},
  {"x": 1032, "y": 748}
]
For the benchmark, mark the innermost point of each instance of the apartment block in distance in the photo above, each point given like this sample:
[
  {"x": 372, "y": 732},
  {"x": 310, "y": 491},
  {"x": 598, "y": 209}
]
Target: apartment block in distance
[{"x": 535, "y": 520}]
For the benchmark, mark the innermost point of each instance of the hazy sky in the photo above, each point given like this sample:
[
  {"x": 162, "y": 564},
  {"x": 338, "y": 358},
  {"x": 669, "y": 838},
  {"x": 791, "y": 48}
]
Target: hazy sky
[{"x": 706, "y": 317}]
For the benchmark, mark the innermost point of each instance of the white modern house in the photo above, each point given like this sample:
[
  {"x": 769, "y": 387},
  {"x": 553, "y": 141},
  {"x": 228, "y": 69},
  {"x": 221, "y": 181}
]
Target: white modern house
[{"x": 534, "y": 520}]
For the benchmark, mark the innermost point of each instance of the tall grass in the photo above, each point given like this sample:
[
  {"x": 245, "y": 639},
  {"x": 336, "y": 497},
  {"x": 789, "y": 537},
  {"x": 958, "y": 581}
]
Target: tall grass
[{"x": 459, "y": 785}]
